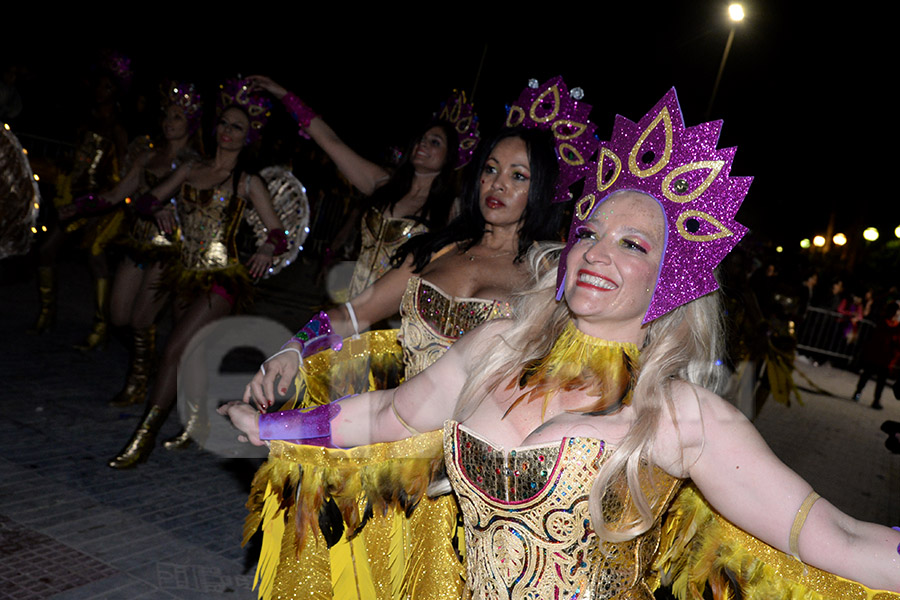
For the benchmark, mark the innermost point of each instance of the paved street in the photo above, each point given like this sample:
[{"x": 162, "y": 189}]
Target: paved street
[{"x": 72, "y": 528}]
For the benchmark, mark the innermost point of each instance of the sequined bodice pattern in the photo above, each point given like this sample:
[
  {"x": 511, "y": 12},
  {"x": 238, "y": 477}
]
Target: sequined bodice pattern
[
  {"x": 433, "y": 320},
  {"x": 209, "y": 221},
  {"x": 381, "y": 237},
  {"x": 527, "y": 522}
]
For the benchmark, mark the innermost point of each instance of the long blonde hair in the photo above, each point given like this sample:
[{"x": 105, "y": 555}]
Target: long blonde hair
[{"x": 682, "y": 345}]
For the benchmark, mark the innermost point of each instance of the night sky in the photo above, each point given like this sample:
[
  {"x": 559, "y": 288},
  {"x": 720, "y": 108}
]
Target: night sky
[{"x": 804, "y": 97}]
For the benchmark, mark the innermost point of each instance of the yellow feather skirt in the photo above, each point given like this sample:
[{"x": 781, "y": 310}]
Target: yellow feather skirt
[{"x": 354, "y": 523}]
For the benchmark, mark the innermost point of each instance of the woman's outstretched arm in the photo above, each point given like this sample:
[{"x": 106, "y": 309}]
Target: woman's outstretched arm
[
  {"x": 421, "y": 404},
  {"x": 743, "y": 479}
]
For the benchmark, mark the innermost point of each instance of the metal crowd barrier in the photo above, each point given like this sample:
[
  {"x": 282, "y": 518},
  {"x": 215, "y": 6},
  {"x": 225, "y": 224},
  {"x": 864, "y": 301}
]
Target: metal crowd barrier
[{"x": 831, "y": 335}]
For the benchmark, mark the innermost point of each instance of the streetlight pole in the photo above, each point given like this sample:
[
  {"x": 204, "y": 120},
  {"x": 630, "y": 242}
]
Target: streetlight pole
[{"x": 736, "y": 14}]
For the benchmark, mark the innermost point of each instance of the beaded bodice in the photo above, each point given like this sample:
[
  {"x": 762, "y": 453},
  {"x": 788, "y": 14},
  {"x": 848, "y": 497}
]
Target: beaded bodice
[
  {"x": 527, "y": 522},
  {"x": 381, "y": 237},
  {"x": 209, "y": 221},
  {"x": 432, "y": 320}
]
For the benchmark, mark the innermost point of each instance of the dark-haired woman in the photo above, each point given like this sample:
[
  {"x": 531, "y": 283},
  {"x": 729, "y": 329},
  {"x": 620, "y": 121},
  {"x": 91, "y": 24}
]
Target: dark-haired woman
[
  {"x": 446, "y": 283},
  {"x": 416, "y": 198},
  {"x": 210, "y": 282}
]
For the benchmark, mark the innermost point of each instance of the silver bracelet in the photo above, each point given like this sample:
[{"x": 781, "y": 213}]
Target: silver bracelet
[
  {"x": 353, "y": 320},
  {"x": 262, "y": 367}
]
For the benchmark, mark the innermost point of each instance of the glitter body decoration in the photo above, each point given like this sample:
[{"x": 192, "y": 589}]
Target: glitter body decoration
[
  {"x": 461, "y": 114},
  {"x": 551, "y": 106},
  {"x": 683, "y": 171}
]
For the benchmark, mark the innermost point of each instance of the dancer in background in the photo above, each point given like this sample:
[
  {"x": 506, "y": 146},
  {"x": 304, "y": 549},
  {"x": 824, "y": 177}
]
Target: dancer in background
[
  {"x": 415, "y": 198},
  {"x": 136, "y": 297},
  {"x": 208, "y": 282}
]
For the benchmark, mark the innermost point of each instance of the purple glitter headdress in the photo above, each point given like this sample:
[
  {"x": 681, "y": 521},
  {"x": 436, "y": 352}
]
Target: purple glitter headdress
[
  {"x": 461, "y": 114},
  {"x": 237, "y": 91},
  {"x": 552, "y": 106},
  {"x": 184, "y": 95},
  {"x": 685, "y": 173}
]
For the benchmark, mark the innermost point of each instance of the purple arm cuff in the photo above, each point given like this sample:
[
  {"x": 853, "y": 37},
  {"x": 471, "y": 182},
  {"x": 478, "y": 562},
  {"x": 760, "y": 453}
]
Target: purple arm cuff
[
  {"x": 312, "y": 427},
  {"x": 91, "y": 204},
  {"x": 317, "y": 335},
  {"x": 298, "y": 109}
]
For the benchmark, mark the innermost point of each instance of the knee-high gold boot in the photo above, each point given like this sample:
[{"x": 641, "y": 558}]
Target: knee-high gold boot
[
  {"x": 142, "y": 440},
  {"x": 143, "y": 357},
  {"x": 196, "y": 429},
  {"x": 99, "y": 330},
  {"x": 47, "y": 290}
]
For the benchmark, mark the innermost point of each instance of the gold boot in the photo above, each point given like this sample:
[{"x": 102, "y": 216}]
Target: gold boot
[
  {"x": 142, "y": 440},
  {"x": 98, "y": 334},
  {"x": 47, "y": 290},
  {"x": 143, "y": 355},
  {"x": 196, "y": 428}
]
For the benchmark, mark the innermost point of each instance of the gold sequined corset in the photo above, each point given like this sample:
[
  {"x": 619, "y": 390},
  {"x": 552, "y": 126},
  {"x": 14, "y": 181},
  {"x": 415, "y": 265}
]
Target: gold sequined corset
[
  {"x": 145, "y": 231},
  {"x": 381, "y": 237},
  {"x": 527, "y": 522},
  {"x": 432, "y": 320},
  {"x": 209, "y": 221}
]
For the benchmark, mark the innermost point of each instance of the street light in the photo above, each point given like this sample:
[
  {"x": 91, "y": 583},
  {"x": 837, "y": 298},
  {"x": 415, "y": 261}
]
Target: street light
[
  {"x": 839, "y": 239},
  {"x": 736, "y": 14},
  {"x": 870, "y": 234}
]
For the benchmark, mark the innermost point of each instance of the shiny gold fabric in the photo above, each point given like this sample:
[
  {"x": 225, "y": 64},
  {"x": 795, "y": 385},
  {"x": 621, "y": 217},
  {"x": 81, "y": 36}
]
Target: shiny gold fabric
[
  {"x": 386, "y": 479},
  {"x": 209, "y": 222},
  {"x": 433, "y": 320},
  {"x": 394, "y": 556},
  {"x": 96, "y": 169},
  {"x": 528, "y": 532},
  {"x": 381, "y": 237},
  {"x": 144, "y": 237},
  {"x": 701, "y": 549}
]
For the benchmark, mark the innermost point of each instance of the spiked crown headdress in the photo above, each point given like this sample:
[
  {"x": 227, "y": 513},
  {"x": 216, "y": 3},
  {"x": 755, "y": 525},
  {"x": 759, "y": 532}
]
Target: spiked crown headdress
[{"x": 682, "y": 169}]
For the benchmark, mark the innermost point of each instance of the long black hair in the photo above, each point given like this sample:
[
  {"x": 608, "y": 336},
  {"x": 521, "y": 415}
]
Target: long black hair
[
  {"x": 540, "y": 220},
  {"x": 436, "y": 210}
]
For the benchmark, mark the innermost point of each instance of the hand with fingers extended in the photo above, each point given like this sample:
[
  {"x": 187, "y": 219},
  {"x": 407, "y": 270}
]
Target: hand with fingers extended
[{"x": 245, "y": 419}]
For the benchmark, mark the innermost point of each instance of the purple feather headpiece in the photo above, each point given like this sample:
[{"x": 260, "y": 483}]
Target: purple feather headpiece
[
  {"x": 553, "y": 107},
  {"x": 461, "y": 114},
  {"x": 684, "y": 172},
  {"x": 238, "y": 92}
]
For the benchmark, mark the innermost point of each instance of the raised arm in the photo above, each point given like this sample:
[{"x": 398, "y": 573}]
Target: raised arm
[
  {"x": 744, "y": 480},
  {"x": 363, "y": 174}
]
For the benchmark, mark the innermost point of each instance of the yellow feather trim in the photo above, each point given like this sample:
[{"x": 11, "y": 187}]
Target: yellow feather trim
[
  {"x": 605, "y": 370},
  {"x": 699, "y": 548}
]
